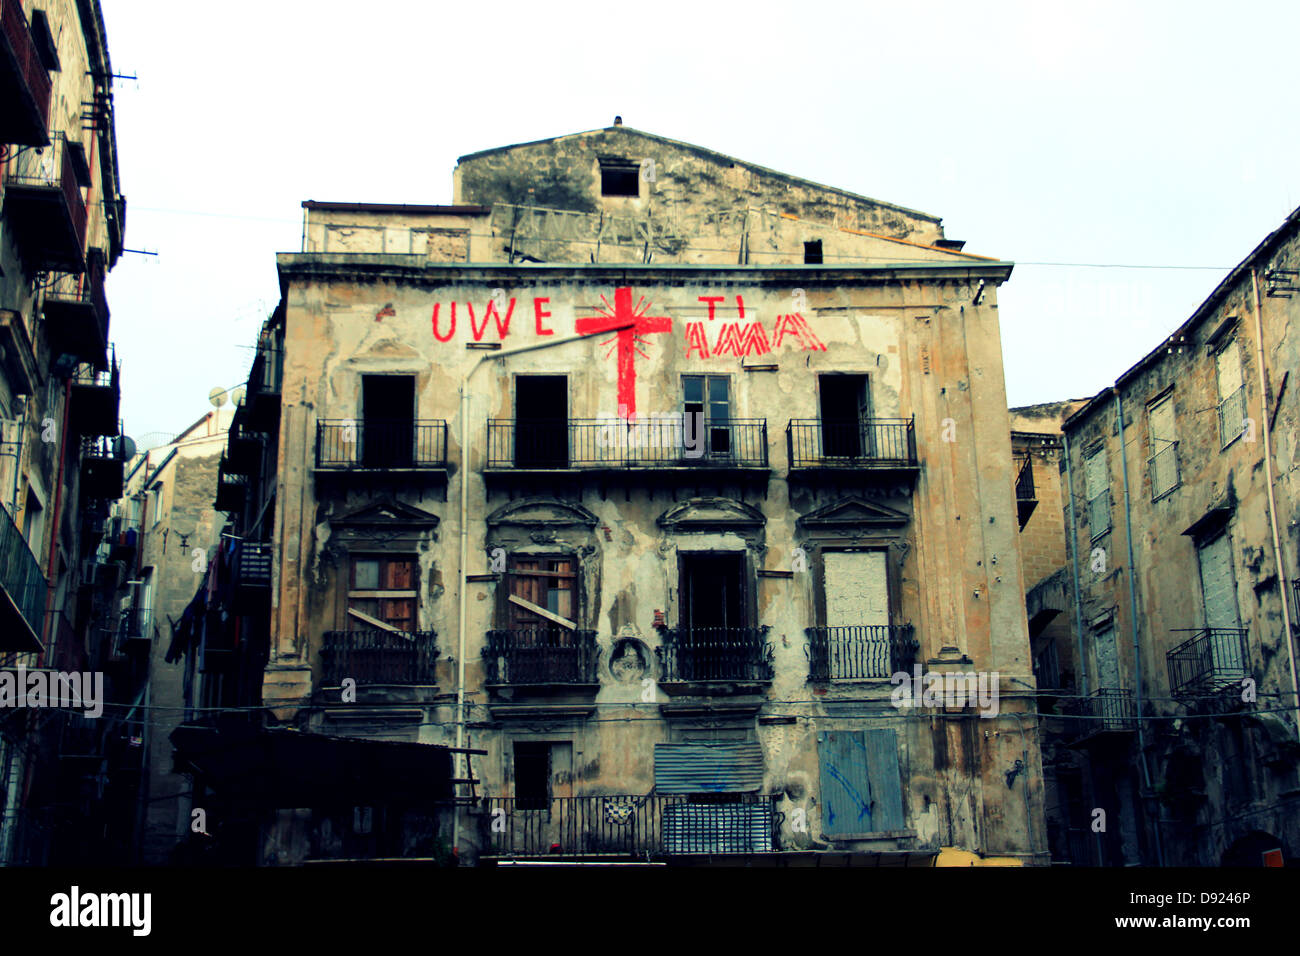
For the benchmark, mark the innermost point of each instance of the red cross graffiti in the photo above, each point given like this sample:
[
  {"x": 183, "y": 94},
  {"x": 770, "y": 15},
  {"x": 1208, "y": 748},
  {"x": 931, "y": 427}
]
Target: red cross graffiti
[{"x": 628, "y": 339}]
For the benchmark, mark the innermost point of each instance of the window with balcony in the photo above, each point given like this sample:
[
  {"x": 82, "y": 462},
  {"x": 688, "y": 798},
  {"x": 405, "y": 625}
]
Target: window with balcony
[
  {"x": 859, "y": 639},
  {"x": 1097, "y": 488},
  {"x": 387, "y": 434},
  {"x": 543, "y": 771},
  {"x": 846, "y": 411},
  {"x": 715, "y": 639},
  {"x": 1232, "y": 392},
  {"x": 382, "y": 593},
  {"x": 1163, "y": 462},
  {"x": 707, "y": 398},
  {"x": 541, "y": 642},
  {"x": 541, "y": 421}
]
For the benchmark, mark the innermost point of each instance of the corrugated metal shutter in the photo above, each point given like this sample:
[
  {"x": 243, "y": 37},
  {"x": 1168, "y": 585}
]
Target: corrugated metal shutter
[
  {"x": 860, "y": 782},
  {"x": 708, "y": 768}
]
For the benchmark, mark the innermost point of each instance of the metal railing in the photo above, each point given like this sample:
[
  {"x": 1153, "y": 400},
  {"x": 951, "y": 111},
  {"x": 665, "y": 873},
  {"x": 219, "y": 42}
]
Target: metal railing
[
  {"x": 541, "y": 656},
  {"x": 51, "y": 166},
  {"x": 1025, "y": 478},
  {"x": 1163, "y": 466},
  {"x": 870, "y": 443},
  {"x": 381, "y": 444},
  {"x": 379, "y": 657},
  {"x": 668, "y": 442},
  {"x": 84, "y": 289},
  {"x": 860, "y": 651},
  {"x": 1107, "y": 709},
  {"x": 631, "y": 825},
  {"x": 715, "y": 654},
  {"x": 1232, "y": 416},
  {"x": 18, "y": 36},
  {"x": 20, "y": 574},
  {"x": 1213, "y": 659}
]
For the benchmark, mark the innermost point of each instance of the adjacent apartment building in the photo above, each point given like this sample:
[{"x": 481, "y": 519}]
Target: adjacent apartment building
[
  {"x": 62, "y": 218},
  {"x": 1183, "y": 517},
  {"x": 598, "y": 510}
]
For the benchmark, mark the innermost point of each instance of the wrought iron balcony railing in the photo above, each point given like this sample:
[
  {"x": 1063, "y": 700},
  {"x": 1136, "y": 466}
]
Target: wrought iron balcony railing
[
  {"x": 860, "y": 651},
  {"x": 25, "y": 115},
  {"x": 22, "y": 580},
  {"x": 1105, "y": 710},
  {"x": 715, "y": 654},
  {"x": 381, "y": 445},
  {"x": 657, "y": 825},
  {"x": 1211, "y": 660},
  {"x": 76, "y": 313},
  {"x": 379, "y": 657},
  {"x": 885, "y": 443},
  {"x": 541, "y": 656},
  {"x": 669, "y": 442},
  {"x": 44, "y": 207}
]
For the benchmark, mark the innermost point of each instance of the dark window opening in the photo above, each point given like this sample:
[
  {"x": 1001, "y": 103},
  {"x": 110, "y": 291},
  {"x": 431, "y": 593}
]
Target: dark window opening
[
  {"x": 541, "y": 421},
  {"x": 845, "y": 415},
  {"x": 532, "y": 775},
  {"x": 713, "y": 592},
  {"x": 620, "y": 179},
  {"x": 388, "y": 413},
  {"x": 812, "y": 252},
  {"x": 709, "y": 396}
]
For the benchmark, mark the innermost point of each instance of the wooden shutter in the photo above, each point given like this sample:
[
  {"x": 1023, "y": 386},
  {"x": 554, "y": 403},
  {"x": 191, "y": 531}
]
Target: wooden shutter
[{"x": 861, "y": 788}]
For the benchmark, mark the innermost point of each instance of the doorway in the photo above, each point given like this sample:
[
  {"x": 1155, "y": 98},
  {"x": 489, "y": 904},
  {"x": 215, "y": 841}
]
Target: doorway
[{"x": 542, "y": 421}]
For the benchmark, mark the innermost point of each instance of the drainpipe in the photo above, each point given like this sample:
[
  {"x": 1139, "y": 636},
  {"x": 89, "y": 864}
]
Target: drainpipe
[
  {"x": 1272, "y": 503},
  {"x": 1074, "y": 560},
  {"x": 464, "y": 539},
  {"x": 1133, "y": 610}
]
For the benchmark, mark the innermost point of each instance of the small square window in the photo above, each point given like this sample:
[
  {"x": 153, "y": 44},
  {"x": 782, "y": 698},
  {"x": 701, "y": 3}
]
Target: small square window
[
  {"x": 812, "y": 252},
  {"x": 620, "y": 178}
]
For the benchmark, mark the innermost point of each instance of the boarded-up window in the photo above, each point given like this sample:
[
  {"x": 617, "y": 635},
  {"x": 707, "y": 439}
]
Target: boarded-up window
[
  {"x": 857, "y": 589},
  {"x": 861, "y": 787},
  {"x": 1232, "y": 393},
  {"x": 1218, "y": 588},
  {"x": 1097, "y": 488},
  {"x": 382, "y": 588},
  {"x": 1107, "y": 654},
  {"x": 545, "y": 583},
  {"x": 1164, "y": 446}
]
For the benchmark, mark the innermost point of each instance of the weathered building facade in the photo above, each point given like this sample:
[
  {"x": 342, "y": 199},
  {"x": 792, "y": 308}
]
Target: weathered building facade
[
  {"x": 61, "y": 229},
  {"x": 1185, "y": 527},
  {"x": 640, "y": 471}
]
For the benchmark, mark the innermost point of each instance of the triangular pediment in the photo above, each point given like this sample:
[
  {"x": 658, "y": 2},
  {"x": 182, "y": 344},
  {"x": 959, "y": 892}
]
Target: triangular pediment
[
  {"x": 541, "y": 512},
  {"x": 855, "y": 513},
  {"x": 387, "y": 514},
  {"x": 702, "y": 513}
]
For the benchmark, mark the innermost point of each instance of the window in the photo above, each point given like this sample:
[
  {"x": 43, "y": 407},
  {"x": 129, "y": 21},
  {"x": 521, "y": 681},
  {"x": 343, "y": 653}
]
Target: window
[
  {"x": 846, "y": 416},
  {"x": 388, "y": 429},
  {"x": 1107, "y": 654},
  {"x": 620, "y": 177},
  {"x": 713, "y": 592},
  {"x": 1218, "y": 585},
  {"x": 812, "y": 252},
  {"x": 856, "y": 642},
  {"x": 543, "y": 771},
  {"x": 1232, "y": 393},
  {"x": 861, "y": 787},
  {"x": 382, "y": 591},
  {"x": 541, "y": 421},
  {"x": 1163, "y": 463},
  {"x": 33, "y": 522},
  {"x": 541, "y": 584},
  {"x": 709, "y": 396},
  {"x": 156, "y": 503},
  {"x": 1097, "y": 490}
]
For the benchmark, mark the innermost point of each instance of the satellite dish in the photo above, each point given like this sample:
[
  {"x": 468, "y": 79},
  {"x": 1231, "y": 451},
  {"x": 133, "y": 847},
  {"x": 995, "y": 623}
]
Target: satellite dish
[
  {"x": 237, "y": 396},
  {"x": 124, "y": 446},
  {"x": 217, "y": 396}
]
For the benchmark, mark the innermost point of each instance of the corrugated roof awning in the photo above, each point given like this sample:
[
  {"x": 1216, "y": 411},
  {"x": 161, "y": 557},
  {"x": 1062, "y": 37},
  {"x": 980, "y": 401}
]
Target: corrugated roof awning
[{"x": 708, "y": 768}]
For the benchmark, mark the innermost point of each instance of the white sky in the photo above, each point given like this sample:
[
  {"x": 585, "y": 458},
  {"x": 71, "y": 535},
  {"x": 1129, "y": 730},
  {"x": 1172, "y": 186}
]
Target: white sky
[{"x": 1139, "y": 133}]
